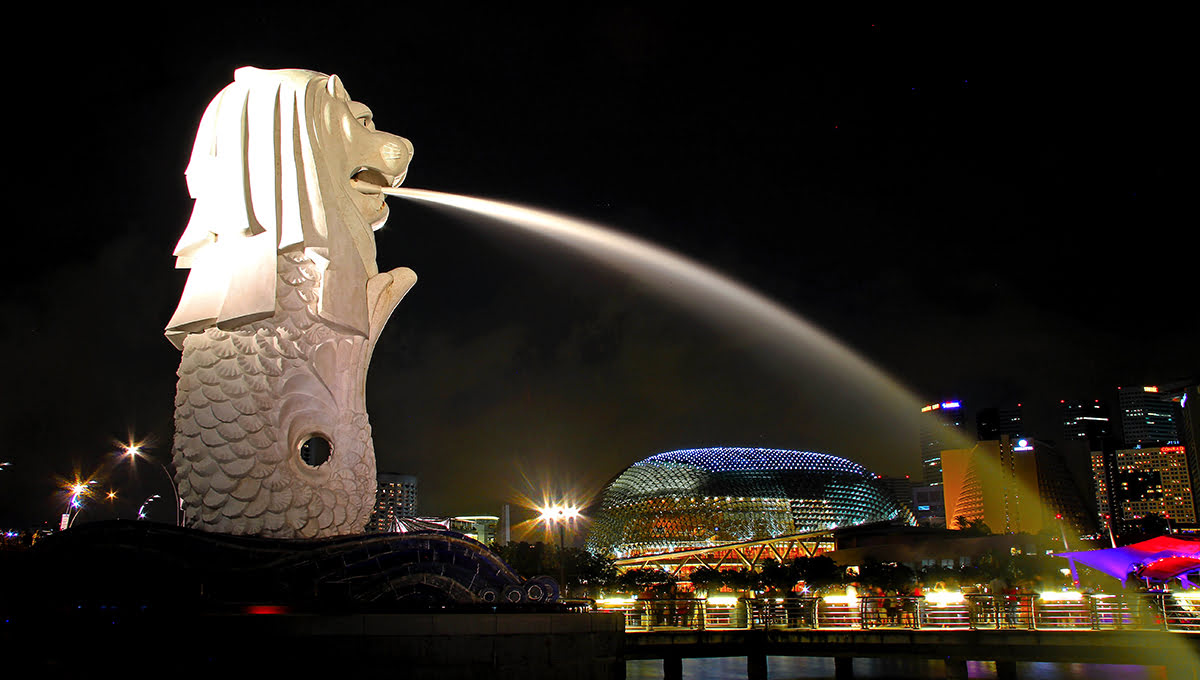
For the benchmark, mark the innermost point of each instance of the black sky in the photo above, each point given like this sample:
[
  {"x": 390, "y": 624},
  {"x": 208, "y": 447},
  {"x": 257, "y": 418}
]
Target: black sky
[{"x": 988, "y": 209}]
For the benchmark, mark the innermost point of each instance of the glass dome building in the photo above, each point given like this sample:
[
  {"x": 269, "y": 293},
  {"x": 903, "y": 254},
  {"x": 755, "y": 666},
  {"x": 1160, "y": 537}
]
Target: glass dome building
[{"x": 697, "y": 498}]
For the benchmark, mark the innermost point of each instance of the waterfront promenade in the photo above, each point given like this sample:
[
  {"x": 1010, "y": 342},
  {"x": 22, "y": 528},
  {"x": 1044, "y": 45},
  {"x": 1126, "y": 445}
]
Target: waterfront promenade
[{"x": 1157, "y": 629}]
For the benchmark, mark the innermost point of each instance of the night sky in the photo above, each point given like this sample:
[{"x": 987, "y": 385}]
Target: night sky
[{"x": 992, "y": 210}]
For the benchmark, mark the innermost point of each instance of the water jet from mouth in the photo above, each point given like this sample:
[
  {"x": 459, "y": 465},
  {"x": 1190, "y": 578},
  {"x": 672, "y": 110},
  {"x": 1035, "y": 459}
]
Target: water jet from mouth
[{"x": 786, "y": 338}]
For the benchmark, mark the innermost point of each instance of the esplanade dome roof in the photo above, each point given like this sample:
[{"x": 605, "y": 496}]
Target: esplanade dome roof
[{"x": 705, "y": 497}]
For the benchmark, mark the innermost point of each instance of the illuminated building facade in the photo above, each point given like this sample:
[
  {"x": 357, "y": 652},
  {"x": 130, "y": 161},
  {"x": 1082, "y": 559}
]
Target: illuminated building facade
[
  {"x": 1186, "y": 397},
  {"x": 482, "y": 528},
  {"x": 941, "y": 429},
  {"x": 1101, "y": 473},
  {"x": 1153, "y": 480},
  {"x": 1147, "y": 416},
  {"x": 929, "y": 505},
  {"x": 395, "y": 497},
  {"x": 700, "y": 498},
  {"x": 994, "y": 481}
]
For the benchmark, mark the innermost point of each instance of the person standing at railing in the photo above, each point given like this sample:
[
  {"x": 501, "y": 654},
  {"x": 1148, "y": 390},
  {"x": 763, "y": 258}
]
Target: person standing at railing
[
  {"x": 891, "y": 604},
  {"x": 1012, "y": 604},
  {"x": 911, "y": 602}
]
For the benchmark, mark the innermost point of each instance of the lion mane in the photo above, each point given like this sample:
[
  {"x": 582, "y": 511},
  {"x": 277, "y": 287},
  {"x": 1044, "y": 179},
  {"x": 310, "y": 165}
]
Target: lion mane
[{"x": 261, "y": 188}]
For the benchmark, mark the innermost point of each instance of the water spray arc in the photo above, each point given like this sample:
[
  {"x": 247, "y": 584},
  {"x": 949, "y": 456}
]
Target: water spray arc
[{"x": 687, "y": 283}]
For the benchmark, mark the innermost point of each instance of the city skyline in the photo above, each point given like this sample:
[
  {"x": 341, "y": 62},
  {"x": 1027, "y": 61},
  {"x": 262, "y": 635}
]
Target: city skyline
[{"x": 932, "y": 198}]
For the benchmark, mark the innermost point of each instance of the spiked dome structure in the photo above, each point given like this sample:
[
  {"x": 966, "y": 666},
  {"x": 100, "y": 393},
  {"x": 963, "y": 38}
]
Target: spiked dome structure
[{"x": 707, "y": 497}]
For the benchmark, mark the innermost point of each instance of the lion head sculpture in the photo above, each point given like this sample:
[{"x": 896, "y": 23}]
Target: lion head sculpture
[
  {"x": 283, "y": 160},
  {"x": 282, "y": 308}
]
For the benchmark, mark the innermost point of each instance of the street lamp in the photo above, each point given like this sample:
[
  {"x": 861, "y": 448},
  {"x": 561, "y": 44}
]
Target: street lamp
[
  {"x": 560, "y": 514},
  {"x": 142, "y": 510},
  {"x": 133, "y": 452},
  {"x": 78, "y": 490}
]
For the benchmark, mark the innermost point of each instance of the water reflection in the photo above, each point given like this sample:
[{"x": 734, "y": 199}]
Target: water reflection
[{"x": 818, "y": 668}]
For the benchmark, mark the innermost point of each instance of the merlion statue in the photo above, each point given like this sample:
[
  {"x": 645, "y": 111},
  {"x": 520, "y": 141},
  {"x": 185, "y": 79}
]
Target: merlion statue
[{"x": 282, "y": 307}]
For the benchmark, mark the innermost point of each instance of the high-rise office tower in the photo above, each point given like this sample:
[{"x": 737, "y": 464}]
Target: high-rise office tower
[
  {"x": 1154, "y": 479},
  {"x": 1102, "y": 473},
  {"x": 395, "y": 497},
  {"x": 1147, "y": 416},
  {"x": 942, "y": 427},
  {"x": 1062, "y": 494},
  {"x": 1186, "y": 397},
  {"x": 995, "y": 481},
  {"x": 1085, "y": 421},
  {"x": 990, "y": 423}
]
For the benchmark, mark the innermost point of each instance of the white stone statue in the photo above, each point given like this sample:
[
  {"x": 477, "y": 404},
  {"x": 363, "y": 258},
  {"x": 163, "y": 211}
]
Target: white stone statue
[{"x": 282, "y": 307}]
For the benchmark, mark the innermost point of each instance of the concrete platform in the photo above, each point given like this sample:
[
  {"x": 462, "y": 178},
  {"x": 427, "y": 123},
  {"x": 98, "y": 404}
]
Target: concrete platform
[
  {"x": 1178, "y": 652},
  {"x": 441, "y": 646}
]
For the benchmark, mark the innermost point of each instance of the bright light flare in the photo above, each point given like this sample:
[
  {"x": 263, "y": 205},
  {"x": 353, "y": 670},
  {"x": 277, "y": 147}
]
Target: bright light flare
[
  {"x": 849, "y": 600},
  {"x": 944, "y": 599},
  {"x": 1061, "y": 596},
  {"x": 558, "y": 513},
  {"x": 723, "y": 600},
  {"x": 77, "y": 489}
]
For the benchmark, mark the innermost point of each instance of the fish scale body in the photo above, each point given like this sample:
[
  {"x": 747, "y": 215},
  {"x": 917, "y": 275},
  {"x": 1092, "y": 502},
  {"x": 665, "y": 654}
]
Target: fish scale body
[{"x": 248, "y": 398}]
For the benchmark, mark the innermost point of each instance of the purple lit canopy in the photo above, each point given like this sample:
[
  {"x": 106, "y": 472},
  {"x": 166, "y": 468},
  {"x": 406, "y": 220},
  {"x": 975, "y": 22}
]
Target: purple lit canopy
[{"x": 1158, "y": 559}]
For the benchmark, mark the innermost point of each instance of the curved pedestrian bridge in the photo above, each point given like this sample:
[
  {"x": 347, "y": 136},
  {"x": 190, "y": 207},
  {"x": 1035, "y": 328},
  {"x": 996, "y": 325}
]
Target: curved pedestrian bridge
[
  {"x": 1153, "y": 629},
  {"x": 1177, "y": 652}
]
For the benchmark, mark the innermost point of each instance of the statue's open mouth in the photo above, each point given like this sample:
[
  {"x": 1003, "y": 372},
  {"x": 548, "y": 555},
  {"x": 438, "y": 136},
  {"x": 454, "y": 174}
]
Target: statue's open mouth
[{"x": 370, "y": 180}]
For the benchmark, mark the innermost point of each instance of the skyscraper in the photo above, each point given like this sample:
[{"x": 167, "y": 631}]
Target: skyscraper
[
  {"x": 395, "y": 497},
  {"x": 1153, "y": 479},
  {"x": 1086, "y": 421},
  {"x": 1186, "y": 397},
  {"x": 1062, "y": 494},
  {"x": 1147, "y": 416},
  {"x": 994, "y": 481},
  {"x": 1102, "y": 472},
  {"x": 941, "y": 429},
  {"x": 990, "y": 423}
]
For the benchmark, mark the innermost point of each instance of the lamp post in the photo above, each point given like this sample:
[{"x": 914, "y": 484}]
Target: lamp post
[
  {"x": 142, "y": 510},
  {"x": 1063, "y": 532},
  {"x": 560, "y": 514},
  {"x": 133, "y": 452},
  {"x": 78, "y": 489}
]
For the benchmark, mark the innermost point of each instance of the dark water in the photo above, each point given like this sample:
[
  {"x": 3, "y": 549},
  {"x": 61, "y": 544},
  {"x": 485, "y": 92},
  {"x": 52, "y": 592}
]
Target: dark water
[{"x": 795, "y": 668}]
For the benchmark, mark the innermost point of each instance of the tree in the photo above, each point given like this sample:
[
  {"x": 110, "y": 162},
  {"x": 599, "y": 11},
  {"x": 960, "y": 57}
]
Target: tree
[
  {"x": 527, "y": 559},
  {"x": 704, "y": 578},
  {"x": 819, "y": 573},
  {"x": 590, "y": 573},
  {"x": 779, "y": 577},
  {"x": 934, "y": 574},
  {"x": 643, "y": 579},
  {"x": 581, "y": 569},
  {"x": 972, "y": 527},
  {"x": 887, "y": 575}
]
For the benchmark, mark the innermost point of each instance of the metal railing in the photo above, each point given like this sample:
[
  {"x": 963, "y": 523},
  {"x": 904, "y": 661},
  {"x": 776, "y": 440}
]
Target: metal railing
[{"x": 1014, "y": 611}]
